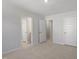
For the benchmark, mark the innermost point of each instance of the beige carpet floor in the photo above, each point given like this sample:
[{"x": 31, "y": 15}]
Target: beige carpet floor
[{"x": 44, "y": 51}]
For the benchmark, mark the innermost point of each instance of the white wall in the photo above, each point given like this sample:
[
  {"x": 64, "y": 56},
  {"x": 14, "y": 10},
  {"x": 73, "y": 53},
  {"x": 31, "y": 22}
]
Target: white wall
[
  {"x": 58, "y": 27},
  {"x": 11, "y": 26}
]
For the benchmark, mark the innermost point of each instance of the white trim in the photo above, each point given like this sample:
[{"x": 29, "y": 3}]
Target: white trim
[
  {"x": 10, "y": 51},
  {"x": 64, "y": 44},
  {"x": 58, "y": 43}
]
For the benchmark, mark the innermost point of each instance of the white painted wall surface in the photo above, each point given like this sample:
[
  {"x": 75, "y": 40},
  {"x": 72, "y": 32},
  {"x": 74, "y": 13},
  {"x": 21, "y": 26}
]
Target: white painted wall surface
[
  {"x": 11, "y": 26},
  {"x": 58, "y": 27}
]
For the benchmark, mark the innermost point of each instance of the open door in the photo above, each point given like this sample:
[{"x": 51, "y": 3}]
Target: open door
[
  {"x": 42, "y": 31},
  {"x": 26, "y": 31}
]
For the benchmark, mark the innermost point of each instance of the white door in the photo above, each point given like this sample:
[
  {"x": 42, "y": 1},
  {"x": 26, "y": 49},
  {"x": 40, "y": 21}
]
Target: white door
[
  {"x": 27, "y": 29},
  {"x": 70, "y": 31},
  {"x": 42, "y": 30},
  {"x": 24, "y": 28}
]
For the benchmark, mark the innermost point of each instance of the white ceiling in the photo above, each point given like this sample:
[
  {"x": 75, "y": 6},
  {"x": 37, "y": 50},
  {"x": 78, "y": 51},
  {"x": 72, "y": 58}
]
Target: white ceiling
[{"x": 52, "y": 7}]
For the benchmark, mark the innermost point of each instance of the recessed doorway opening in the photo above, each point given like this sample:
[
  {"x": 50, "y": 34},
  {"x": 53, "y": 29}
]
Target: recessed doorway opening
[
  {"x": 26, "y": 23},
  {"x": 49, "y": 31}
]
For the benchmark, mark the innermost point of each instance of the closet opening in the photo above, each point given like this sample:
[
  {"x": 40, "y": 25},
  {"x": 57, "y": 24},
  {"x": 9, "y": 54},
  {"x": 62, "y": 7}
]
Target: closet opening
[{"x": 49, "y": 30}]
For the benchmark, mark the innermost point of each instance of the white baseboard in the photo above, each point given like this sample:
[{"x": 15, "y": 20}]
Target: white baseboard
[
  {"x": 70, "y": 45},
  {"x": 58, "y": 43},
  {"x": 65, "y": 44},
  {"x": 10, "y": 51}
]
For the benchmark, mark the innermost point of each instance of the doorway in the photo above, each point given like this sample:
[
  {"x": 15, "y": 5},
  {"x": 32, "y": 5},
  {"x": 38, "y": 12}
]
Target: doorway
[
  {"x": 42, "y": 31},
  {"x": 50, "y": 30},
  {"x": 26, "y": 31}
]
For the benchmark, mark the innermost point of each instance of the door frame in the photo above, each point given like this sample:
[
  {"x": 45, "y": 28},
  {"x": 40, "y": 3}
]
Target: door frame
[
  {"x": 49, "y": 20},
  {"x": 39, "y": 31},
  {"x": 51, "y": 33},
  {"x": 26, "y": 19}
]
